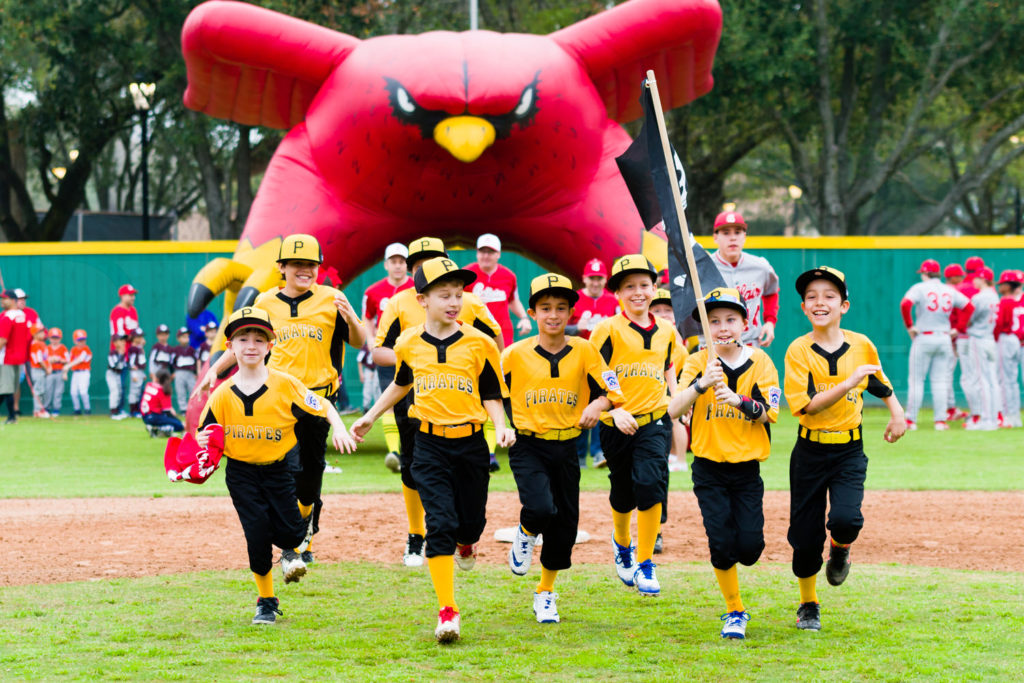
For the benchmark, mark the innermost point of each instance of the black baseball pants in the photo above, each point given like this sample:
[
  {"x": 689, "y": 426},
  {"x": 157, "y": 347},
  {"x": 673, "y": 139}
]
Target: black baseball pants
[
  {"x": 637, "y": 467},
  {"x": 547, "y": 475},
  {"x": 731, "y": 500}
]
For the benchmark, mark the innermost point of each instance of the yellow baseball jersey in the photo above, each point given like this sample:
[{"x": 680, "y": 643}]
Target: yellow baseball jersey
[
  {"x": 640, "y": 358},
  {"x": 722, "y": 433},
  {"x": 810, "y": 370},
  {"x": 450, "y": 377},
  {"x": 311, "y": 336},
  {"x": 404, "y": 312},
  {"x": 679, "y": 355},
  {"x": 260, "y": 428},
  {"x": 550, "y": 390}
]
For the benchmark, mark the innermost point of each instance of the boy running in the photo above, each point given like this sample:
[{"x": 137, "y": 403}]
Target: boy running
[
  {"x": 731, "y": 438},
  {"x": 457, "y": 377},
  {"x": 638, "y": 347},
  {"x": 557, "y": 386},
  {"x": 259, "y": 409},
  {"x": 827, "y": 371}
]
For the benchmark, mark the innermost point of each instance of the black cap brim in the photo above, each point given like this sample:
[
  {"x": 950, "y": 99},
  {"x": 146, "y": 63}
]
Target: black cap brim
[
  {"x": 739, "y": 308},
  {"x": 419, "y": 280},
  {"x": 809, "y": 276},
  {"x": 237, "y": 326},
  {"x": 413, "y": 259},
  {"x": 571, "y": 294}
]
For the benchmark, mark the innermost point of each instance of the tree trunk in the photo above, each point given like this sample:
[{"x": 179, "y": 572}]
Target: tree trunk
[{"x": 216, "y": 208}]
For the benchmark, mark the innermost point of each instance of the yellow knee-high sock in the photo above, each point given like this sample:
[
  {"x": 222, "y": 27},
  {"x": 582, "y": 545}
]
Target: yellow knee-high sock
[
  {"x": 264, "y": 584},
  {"x": 442, "y": 574},
  {"x": 808, "y": 589},
  {"x": 391, "y": 438},
  {"x": 620, "y": 522},
  {"x": 490, "y": 436},
  {"x": 305, "y": 510},
  {"x": 648, "y": 524},
  {"x": 729, "y": 583},
  {"x": 547, "y": 579},
  {"x": 414, "y": 511}
]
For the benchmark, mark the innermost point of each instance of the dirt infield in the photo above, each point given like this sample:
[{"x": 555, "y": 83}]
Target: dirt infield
[{"x": 102, "y": 538}]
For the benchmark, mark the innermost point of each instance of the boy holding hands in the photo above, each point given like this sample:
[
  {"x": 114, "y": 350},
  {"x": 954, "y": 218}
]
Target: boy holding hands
[
  {"x": 730, "y": 439},
  {"x": 557, "y": 386},
  {"x": 258, "y": 409},
  {"x": 457, "y": 376},
  {"x": 638, "y": 347},
  {"x": 827, "y": 371}
]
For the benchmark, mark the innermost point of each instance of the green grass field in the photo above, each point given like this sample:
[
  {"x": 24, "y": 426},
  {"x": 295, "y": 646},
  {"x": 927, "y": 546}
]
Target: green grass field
[
  {"x": 95, "y": 456},
  {"x": 362, "y": 622},
  {"x": 358, "y": 621}
]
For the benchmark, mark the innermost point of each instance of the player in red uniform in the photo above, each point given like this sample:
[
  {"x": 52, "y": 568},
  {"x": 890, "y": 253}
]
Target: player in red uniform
[
  {"x": 595, "y": 304},
  {"x": 15, "y": 340},
  {"x": 958, "y": 321},
  {"x": 374, "y": 300},
  {"x": 1011, "y": 308},
  {"x": 495, "y": 285}
]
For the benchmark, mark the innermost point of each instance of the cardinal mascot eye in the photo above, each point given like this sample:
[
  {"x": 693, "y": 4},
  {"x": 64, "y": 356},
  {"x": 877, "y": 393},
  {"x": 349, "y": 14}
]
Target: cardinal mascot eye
[{"x": 405, "y": 109}]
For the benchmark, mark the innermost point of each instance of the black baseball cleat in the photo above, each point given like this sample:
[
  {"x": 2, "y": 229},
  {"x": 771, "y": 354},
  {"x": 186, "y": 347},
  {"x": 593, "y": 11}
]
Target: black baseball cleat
[
  {"x": 659, "y": 545},
  {"x": 838, "y": 565},
  {"x": 808, "y": 617},
  {"x": 494, "y": 466},
  {"x": 307, "y": 557},
  {"x": 266, "y": 611}
]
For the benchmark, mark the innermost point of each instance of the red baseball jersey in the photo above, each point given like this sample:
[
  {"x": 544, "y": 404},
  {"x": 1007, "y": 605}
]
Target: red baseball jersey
[
  {"x": 39, "y": 355},
  {"x": 604, "y": 306},
  {"x": 123, "y": 319},
  {"x": 377, "y": 295},
  {"x": 497, "y": 290},
  {"x": 14, "y": 328},
  {"x": 58, "y": 356},
  {"x": 154, "y": 399}
]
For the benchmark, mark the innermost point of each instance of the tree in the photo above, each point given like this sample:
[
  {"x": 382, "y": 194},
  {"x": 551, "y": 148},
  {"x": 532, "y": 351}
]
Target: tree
[{"x": 878, "y": 99}]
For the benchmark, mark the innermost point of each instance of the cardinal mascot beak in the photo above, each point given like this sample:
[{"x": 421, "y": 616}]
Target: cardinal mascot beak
[{"x": 465, "y": 137}]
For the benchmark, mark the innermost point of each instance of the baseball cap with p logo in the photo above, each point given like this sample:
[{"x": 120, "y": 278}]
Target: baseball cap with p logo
[
  {"x": 836, "y": 277},
  {"x": 723, "y": 297},
  {"x": 300, "y": 248},
  {"x": 424, "y": 248},
  {"x": 552, "y": 284},
  {"x": 628, "y": 265},
  {"x": 249, "y": 317},
  {"x": 440, "y": 268}
]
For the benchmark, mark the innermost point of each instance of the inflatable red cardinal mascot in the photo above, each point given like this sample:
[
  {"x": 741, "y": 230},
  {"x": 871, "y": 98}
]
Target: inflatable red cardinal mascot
[{"x": 445, "y": 134}]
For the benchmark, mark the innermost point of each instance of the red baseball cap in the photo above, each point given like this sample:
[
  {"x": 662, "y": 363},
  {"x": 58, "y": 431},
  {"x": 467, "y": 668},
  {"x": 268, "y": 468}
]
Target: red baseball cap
[
  {"x": 595, "y": 268},
  {"x": 973, "y": 263},
  {"x": 930, "y": 266},
  {"x": 126, "y": 289},
  {"x": 729, "y": 219},
  {"x": 954, "y": 270},
  {"x": 1010, "y": 276},
  {"x": 985, "y": 273}
]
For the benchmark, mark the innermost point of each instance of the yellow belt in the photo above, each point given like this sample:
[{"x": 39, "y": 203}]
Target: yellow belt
[
  {"x": 825, "y": 436},
  {"x": 641, "y": 420},
  {"x": 552, "y": 434},
  {"x": 451, "y": 431}
]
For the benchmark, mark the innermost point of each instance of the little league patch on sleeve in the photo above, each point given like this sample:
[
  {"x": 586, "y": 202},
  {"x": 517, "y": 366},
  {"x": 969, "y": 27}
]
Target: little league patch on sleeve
[
  {"x": 312, "y": 400},
  {"x": 611, "y": 380},
  {"x": 774, "y": 396}
]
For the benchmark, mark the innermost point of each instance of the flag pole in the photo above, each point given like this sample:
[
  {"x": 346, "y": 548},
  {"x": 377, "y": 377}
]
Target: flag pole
[{"x": 691, "y": 262}]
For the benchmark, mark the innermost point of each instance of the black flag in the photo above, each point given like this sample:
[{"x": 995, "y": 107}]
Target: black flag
[{"x": 643, "y": 168}]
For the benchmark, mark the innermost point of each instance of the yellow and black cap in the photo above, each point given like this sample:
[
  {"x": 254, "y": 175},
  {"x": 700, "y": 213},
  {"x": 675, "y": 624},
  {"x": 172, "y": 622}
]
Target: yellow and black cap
[
  {"x": 440, "y": 268},
  {"x": 247, "y": 317},
  {"x": 628, "y": 265},
  {"x": 662, "y": 296},
  {"x": 553, "y": 284},
  {"x": 300, "y": 248},
  {"x": 723, "y": 297},
  {"x": 424, "y": 248},
  {"x": 834, "y": 276}
]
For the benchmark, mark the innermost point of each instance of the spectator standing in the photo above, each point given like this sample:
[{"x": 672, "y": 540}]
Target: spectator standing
[
  {"x": 33, "y": 318},
  {"x": 185, "y": 362},
  {"x": 116, "y": 363},
  {"x": 496, "y": 286},
  {"x": 59, "y": 359},
  {"x": 39, "y": 368},
  {"x": 161, "y": 356},
  {"x": 80, "y": 367},
  {"x": 124, "y": 319},
  {"x": 135, "y": 358}
]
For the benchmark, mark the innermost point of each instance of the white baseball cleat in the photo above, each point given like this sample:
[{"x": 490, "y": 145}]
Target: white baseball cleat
[
  {"x": 544, "y": 607},
  {"x": 447, "y": 630},
  {"x": 625, "y": 562},
  {"x": 521, "y": 554}
]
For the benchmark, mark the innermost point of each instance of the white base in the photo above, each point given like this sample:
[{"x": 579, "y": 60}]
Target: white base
[{"x": 508, "y": 535}]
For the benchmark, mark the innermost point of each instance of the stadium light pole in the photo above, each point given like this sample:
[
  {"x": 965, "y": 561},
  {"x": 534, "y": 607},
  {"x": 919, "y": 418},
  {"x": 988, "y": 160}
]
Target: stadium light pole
[
  {"x": 795, "y": 193},
  {"x": 141, "y": 98}
]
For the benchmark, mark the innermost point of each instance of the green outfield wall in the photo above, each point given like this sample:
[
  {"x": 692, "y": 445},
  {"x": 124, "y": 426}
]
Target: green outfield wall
[{"x": 74, "y": 285}]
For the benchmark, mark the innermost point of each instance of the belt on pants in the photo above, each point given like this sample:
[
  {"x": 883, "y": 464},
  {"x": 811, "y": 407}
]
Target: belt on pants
[
  {"x": 552, "y": 434},
  {"x": 641, "y": 420},
  {"x": 451, "y": 431},
  {"x": 825, "y": 436},
  {"x": 322, "y": 392}
]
